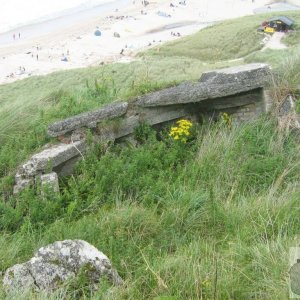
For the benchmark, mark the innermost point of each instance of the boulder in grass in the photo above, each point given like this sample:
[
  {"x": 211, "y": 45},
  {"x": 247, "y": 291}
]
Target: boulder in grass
[{"x": 52, "y": 265}]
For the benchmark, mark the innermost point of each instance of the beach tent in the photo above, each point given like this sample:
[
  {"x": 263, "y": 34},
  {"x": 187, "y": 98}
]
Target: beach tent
[{"x": 97, "y": 32}]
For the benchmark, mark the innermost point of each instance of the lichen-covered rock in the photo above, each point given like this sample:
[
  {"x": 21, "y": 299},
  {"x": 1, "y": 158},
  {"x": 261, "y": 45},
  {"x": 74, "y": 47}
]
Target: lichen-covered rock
[
  {"x": 18, "y": 277},
  {"x": 54, "y": 264}
]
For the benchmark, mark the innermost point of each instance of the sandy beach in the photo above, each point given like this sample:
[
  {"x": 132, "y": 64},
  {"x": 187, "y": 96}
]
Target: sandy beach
[{"x": 125, "y": 30}]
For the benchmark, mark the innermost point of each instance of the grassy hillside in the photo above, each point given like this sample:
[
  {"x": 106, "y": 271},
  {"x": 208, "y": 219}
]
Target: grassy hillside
[
  {"x": 171, "y": 216},
  {"x": 211, "y": 219},
  {"x": 227, "y": 40}
]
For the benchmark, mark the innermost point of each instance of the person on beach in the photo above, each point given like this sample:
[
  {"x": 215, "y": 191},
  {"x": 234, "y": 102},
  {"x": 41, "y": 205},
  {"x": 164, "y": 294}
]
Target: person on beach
[
  {"x": 19, "y": 35},
  {"x": 14, "y": 36},
  {"x": 37, "y": 57}
]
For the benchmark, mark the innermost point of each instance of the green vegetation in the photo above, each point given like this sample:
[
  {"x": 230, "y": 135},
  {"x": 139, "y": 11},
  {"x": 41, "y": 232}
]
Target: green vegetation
[
  {"x": 227, "y": 40},
  {"x": 212, "y": 218},
  {"x": 171, "y": 215},
  {"x": 294, "y": 38}
]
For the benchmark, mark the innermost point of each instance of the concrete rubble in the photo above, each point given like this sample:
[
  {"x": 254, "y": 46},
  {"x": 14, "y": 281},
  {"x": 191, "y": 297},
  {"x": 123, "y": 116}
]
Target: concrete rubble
[{"x": 240, "y": 91}]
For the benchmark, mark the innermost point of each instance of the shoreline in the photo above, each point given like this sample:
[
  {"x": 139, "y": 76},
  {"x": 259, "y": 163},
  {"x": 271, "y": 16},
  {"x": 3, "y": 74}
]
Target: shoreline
[
  {"x": 45, "y": 27},
  {"x": 124, "y": 32}
]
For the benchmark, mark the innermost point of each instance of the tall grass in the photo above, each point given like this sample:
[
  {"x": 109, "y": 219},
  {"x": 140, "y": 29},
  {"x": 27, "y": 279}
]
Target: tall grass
[{"x": 209, "y": 221}]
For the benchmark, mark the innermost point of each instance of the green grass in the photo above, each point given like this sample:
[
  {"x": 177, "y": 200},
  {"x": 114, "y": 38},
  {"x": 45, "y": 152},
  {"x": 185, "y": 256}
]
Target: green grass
[
  {"x": 294, "y": 38},
  {"x": 174, "y": 215},
  {"x": 227, "y": 40}
]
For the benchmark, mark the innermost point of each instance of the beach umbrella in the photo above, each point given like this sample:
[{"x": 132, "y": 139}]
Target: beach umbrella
[{"x": 97, "y": 32}]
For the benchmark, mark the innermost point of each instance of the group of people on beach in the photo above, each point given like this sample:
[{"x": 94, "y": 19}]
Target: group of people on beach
[{"x": 41, "y": 56}]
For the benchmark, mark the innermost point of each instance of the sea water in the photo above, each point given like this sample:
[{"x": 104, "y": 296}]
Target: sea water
[{"x": 19, "y": 13}]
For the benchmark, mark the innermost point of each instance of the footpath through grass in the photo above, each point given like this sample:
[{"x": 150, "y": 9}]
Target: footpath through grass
[{"x": 209, "y": 220}]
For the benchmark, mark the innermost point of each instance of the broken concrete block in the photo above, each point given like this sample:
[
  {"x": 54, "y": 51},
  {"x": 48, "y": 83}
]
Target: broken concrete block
[
  {"x": 212, "y": 85},
  {"x": 22, "y": 184},
  {"x": 50, "y": 182},
  {"x": 88, "y": 119},
  {"x": 47, "y": 159}
]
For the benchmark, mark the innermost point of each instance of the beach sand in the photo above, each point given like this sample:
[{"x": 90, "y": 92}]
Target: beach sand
[{"x": 39, "y": 53}]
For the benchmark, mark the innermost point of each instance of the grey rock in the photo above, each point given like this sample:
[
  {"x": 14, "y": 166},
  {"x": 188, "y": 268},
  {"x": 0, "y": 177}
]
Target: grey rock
[
  {"x": 17, "y": 277},
  {"x": 162, "y": 114},
  {"x": 54, "y": 264},
  {"x": 67, "y": 168},
  {"x": 52, "y": 157},
  {"x": 287, "y": 115},
  {"x": 49, "y": 182},
  {"x": 22, "y": 184},
  {"x": 288, "y": 106},
  {"x": 88, "y": 119},
  {"x": 294, "y": 278},
  {"x": 216, "y": 84},
  {"x": 255, "y": 96},
  {"x": 257, "y": 73}
]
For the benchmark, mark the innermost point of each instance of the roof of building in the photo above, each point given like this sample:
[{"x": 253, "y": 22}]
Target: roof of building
[{"x": 283, "y": 19}]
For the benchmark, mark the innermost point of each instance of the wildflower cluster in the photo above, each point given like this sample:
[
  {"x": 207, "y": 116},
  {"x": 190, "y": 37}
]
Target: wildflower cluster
[
  {"x": 182, "y": 131},
  {"x": 227, "y": 120}
]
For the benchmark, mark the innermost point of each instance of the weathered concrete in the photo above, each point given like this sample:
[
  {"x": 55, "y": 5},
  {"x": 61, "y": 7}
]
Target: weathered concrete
[
  {"x": 22, "y": 184},
  {"x": 50, "y": 182},
  {"x": 212, "y": 85},
  {"x": 88, "y": 119},
  {"x": 54, "y": 264},
  {"x": 67, "y": 168},
  {"x": 52, "y": 157},
  {"x": 251, "y": 75},
  {"x": 240, "y": 91}
]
